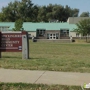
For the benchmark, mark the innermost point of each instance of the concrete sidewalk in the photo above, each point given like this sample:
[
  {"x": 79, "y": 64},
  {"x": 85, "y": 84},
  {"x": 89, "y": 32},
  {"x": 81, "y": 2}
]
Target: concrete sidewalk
[{"x": 43, "y": 77}]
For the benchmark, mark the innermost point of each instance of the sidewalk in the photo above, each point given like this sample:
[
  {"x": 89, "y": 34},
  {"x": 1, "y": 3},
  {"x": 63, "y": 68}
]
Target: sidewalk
[{"x": 43, "y": 77}]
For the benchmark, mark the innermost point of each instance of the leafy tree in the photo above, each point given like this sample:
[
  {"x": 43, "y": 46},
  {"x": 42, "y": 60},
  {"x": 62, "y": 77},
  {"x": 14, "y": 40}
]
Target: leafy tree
[
  {"x": 28, "y": 12},
  {"x": 83, "y": 27},
  {"x": 85, "y": 14},
  {"x": 71, "y": 12},
  {"x": 18, "y": 10},
  {"x": 49, "y": 13},
  {"x": 42, "y": 14},
  {"x": 57, "y": 12},
  {"x": 2, "y": 17},
  {"x": 11, "y": 12},
  {"x": 74, "y": 12},
  {"x": 18, "y": 25},
  {"x": 35, "y": 10},
  {"x": 25, "y": 10}
]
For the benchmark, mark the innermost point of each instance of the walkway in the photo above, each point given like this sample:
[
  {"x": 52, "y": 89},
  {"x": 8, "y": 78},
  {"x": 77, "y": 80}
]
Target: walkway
[{"x": 43, "y": 77}]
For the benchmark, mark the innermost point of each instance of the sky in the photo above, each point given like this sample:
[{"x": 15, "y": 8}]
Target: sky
[{"x": 82, "y": 5}]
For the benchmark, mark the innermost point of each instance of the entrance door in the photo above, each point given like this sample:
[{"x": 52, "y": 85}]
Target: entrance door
[{"x": 52, "y": 36}]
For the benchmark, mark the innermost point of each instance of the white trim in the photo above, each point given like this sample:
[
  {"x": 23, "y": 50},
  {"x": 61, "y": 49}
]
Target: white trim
[{"x": 11, "y": 31}]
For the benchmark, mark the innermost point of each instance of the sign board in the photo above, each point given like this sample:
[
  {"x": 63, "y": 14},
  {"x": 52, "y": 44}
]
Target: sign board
[{"x": 13, "y": 42}]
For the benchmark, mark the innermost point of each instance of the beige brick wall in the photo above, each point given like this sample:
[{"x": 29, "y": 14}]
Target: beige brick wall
[
  {"x": 32, "y": 33},
  {"x": 73, "y": 34},
  {"x": 74, "y": 20}
]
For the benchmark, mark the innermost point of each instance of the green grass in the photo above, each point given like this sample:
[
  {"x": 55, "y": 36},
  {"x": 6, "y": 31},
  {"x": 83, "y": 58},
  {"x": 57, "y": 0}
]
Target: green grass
[
  {"x": 69, "y": 57},
  {"x": 21, "y": 86}
]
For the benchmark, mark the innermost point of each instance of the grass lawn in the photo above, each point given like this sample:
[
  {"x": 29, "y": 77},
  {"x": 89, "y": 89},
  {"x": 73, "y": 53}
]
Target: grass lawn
[
  {"x": 20, "y": 86},
  {"x": 72, "y": 57}
]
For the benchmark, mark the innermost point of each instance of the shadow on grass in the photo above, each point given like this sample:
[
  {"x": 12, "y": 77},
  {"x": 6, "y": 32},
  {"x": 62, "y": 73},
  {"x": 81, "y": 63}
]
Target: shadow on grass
[
  {"x": 35, "y": 58},
  {"x": 11, "y": 57},
  {"x": 14, "y": 57}
]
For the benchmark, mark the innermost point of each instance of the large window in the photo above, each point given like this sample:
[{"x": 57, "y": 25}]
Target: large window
[
  {"x": 57, "y": 35},
  {"x": 29, "y": 35},
  {"x": 41, "y": 32},
  {"x": 2, "y": 28},
  {"x": 77, "y": 34},
  {"x": 64, "y": 33}
]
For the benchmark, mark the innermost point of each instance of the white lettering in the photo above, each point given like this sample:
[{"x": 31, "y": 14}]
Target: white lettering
[
  {"x": 13, "y": 42},
  {"x": 6, "y": 45},
  {"x": 12, "y": 36},
  {"x": 6, "y": 39},
  {"x": 4, "y": 36}
]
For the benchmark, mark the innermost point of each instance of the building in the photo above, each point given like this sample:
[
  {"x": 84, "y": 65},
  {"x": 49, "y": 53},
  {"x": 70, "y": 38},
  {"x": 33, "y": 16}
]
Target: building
[
  {"x": 74, "y": 20},
  {"x": 50, "y": 30}
]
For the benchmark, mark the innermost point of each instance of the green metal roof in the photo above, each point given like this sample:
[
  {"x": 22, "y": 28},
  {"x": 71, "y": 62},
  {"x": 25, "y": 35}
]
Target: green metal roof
[
  {"x": 6, "y": 24},
  {"x": 29, "y": 26}
]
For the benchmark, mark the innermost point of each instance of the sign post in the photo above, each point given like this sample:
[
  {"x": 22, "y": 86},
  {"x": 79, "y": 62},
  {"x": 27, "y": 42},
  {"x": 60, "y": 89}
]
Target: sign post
[
  {"x": 15, "y": 42},
  {"x": 25, "y": 47},
  {"x": 0, "y": 44}
]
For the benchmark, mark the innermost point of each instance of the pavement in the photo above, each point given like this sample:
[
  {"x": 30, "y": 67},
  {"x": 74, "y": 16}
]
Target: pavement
[{"x": 43, "y": 77}]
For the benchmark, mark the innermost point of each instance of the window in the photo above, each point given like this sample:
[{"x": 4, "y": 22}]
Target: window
[
  {"x": 29, "y": 35},
  {"x": 54, "y": 35},
  {"x": 77, "y": 34},
  {"x": 41, "y": 32},
  {"x": 47, "y": 36},
  {"x": 57, "y": 35},
  {"x": 64, "y": 33},
  {"x": 51, "y": 35},
  {"x": 3, "y": 28}
]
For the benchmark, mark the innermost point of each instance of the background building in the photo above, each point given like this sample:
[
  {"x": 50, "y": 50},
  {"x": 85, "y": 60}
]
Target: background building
[
  {"x": 50, "y": 30},
  {"x": 74, "y": 20}
]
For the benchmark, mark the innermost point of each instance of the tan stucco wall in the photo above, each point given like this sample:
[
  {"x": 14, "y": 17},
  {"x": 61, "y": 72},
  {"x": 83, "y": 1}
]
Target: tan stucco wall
[
  {"x": 74, "y": 20},
  {"x": 32, "y": 33},
  {"x": 73, "y": 34}
]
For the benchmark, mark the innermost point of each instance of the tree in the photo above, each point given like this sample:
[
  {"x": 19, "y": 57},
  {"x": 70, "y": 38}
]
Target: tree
[
  {"x": 18, "y": 25},
  {"x": 35, "y": 10},
  {"x": 74, "y": 12},
  {"x": 83, "y": 27},
  {"x": 49, "y": 13},
  {"x": 58, "y": 12},
  {"x": 42, "y": 14},
  {"x": 18, "y": 10},
  {"x": 28, "y": 12},
  {"x": 11, "y": 12},
  {"x": 71, "y": 12},
  {"x": 2, "y": 17},
  {"x": 85, "y": 14}
]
